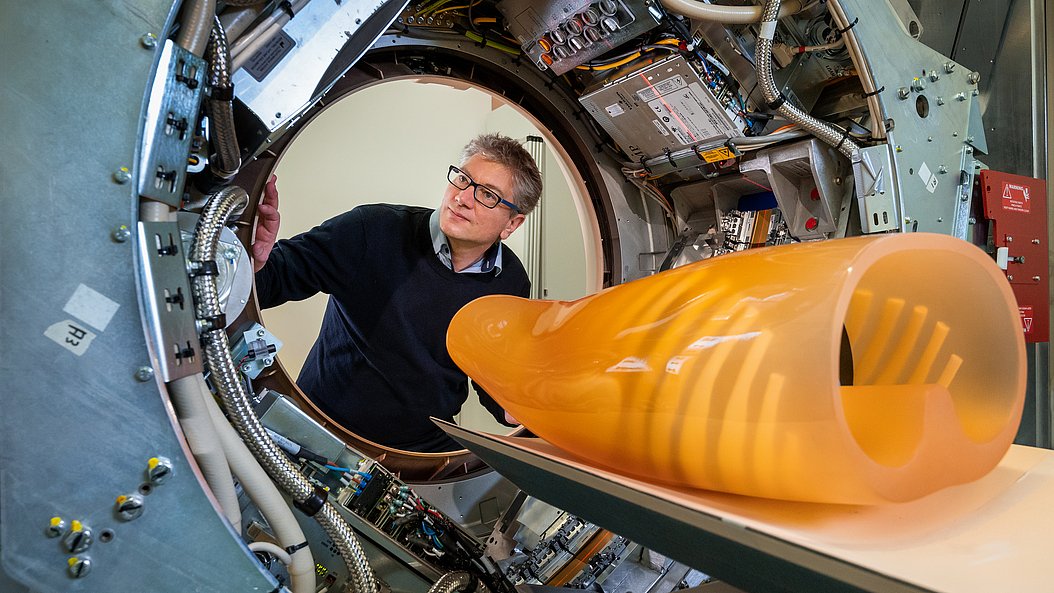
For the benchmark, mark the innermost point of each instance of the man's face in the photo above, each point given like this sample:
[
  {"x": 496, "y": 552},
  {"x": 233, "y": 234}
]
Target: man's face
[{"x": 469, "y": 224}]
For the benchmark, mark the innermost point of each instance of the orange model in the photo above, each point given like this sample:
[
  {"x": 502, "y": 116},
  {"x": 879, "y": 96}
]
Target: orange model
[{"x": 724, "y": 374}]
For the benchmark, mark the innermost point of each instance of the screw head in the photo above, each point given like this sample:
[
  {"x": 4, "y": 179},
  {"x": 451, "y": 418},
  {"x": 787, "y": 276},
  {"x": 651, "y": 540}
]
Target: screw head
[
  {"x": 144, "y": 374},
  {"x": 940, "y": 100},
  {"x": 918, "y": 85},
  {"x": 260, "y": 333},
  {"x": 942, "y": 169},
  {"x": 78, "y": 539},
  {"x": 949, "y": 67},
  {"x": 903, "y": 92},
  {"x": 1035, "y": 241},
  {"x": 121, "y": 233},
  {"x": 56, "y": 527},
  {"x": 960, "y": 96},
  {"x": 122, "y": 176},
  {"x": 148, "y": 41},
  {"x": 973, "y": 77},
  {"x": 1035, "y": 278},
  {"x": 129, "y": 506},
  {"x": 1009, "y": 277},
  {"x": 160, "y": 470},
  {"x": 934, "y": 76},
  {"x": 79, "y": 567}
]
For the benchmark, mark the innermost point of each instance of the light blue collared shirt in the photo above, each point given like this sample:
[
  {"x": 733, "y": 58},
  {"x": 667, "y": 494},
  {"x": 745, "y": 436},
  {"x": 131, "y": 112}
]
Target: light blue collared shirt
[{"x": 491, "y": 259}]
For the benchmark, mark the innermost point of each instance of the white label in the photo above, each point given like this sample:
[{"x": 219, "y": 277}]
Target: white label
[
  {"x": 91, "y": 307},
  {"x": 71, "y": 335},
  {"x": 663, "y": 87},
  {"x": 928, "y": 178},
  {"x": 687, "y": 116},
  {"x": 660, "y": 127},
  {"x": 614, "y": 110}
]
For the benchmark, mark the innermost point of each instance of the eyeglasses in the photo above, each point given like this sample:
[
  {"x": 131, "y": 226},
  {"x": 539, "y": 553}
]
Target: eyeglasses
[{"x": 483, "y": 195}]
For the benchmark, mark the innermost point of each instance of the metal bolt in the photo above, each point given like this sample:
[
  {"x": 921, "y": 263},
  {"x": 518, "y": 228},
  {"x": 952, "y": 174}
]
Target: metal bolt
[
  {"x": 56, "y": 527},
  {"x": 899, "y": 149},
  {"x": 148, "y": 41},
  {"x": 79, "y": 567},
  {"x": 918, "y": 85},
  {"x": 260, "y": 333},
  {"x": 78, "y": 539},
  {"x": 1018, "y": 260},
  {"x": 1035, "y": 278},
  {"x": 934, "y": 76},
  {"x": 279, "y": 114},
  {"x": 969, "y": 150},
  {"x": 838, "y": 181},
  {"x": 975, "y": 92},
  {"x": 960, "y": 96},
  {"x": 971, "y": 220},
  {"x": 929, "y": 138},
  {"x": 358, "y": 21},
  {"x": 949, "y": 67},
  {"x": 1009, "y": 239},
  {"x": 122, "y": 176},
  {"x": 160, "y": 470},
  {"x": 230, "y": 254},
  {"x": 144, "y": 374},
  {"x": 1035, "y": 241},
  {"x": 973, "y": 77},
  {"x": 940, "y": 219},
  {"x": 129, "y": 506},
  {"x": 121, "y": 233},
  {"x": 1009, "y": 277},
  {"x": 942, "y": 169},
  {"x": 940, "y": 100},
  {"x": 955, "y": 134},
  {"x": 903, "y": 92},
  {"x": 969, "y": 138},
  {"x": 268, "y": 361}
]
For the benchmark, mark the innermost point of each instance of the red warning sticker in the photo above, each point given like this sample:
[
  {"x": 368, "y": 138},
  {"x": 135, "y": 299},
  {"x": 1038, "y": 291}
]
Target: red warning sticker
[
  {"x": 1015, "y": 197},
  {"x": 1026, "y": 317}
]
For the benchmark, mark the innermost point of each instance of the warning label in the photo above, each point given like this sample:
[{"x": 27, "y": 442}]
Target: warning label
[
  {"x": 1015, "y": 198},
  {"x": 717, "y": 154},
  {"x": 1026, "y": 317}
]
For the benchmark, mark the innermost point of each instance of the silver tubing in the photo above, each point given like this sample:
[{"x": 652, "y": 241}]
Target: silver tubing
[
  {"x": 221, "y": 112},
  {"x": 451, "y": 582},
  {"x": 771, "y": 93},
  {"x": 231, "y": 389}
]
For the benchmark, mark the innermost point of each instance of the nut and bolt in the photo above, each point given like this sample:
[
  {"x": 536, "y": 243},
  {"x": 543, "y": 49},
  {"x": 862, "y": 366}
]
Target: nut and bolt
[
  {"x": 56, "y": 527},
  {"x": 960, "y": 96},
  {"x": 934, "y": 76},
  {"x": 969, "y": 150},
  {"x": 148, "y": 41},
  {"x": 918, "y": 85},
  {"x": 144, "y": 374},
  {"x": 973, "y": 77},
  {"x": 903, "y": 92},
  {"x": 975, "y": 92},
  {"x": 940, "y": 100},
  {"x": 78, "y": 539},
  {"x": 160, "y": 470},
  {"x": 121, "y": 233},
  {"x": 260, "y": 333},
  {"x": 122, "y": 176},
  {"x": 949, "y": 67},
  {"x": 1018, "y": 260},
  {"x": 79, "y": 567},
  {"x": 129, "y": 506}
]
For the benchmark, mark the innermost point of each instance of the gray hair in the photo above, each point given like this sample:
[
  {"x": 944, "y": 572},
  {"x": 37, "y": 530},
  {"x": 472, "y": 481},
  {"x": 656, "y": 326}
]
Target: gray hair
[{"x": 509, "y": 153}]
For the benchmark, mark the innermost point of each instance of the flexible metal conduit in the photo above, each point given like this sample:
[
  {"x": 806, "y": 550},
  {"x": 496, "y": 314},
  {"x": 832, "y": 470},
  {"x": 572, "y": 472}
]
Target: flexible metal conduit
[
  {"x": 229, "y": 385},
  {"x": 772, "y": 94},
  {"x": 452, "y": 581},
  {"x": 219, "y": 106},
  {"x": 729, "y": 15}
]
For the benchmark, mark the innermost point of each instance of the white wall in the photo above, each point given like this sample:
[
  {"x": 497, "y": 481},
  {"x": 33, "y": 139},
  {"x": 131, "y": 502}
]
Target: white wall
[{"x": 393, "y": 143}]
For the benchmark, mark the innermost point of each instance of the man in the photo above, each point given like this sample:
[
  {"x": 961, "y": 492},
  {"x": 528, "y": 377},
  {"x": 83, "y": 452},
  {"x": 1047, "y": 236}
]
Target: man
[{"x": 396, "y": 275}]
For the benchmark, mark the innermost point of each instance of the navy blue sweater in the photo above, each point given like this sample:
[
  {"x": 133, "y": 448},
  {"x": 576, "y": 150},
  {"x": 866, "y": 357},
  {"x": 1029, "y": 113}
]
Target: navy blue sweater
[{"x": 380, "y": 366}]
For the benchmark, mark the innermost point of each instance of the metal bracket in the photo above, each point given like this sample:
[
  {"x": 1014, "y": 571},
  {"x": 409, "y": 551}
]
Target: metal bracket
[
  {"x": 169, "y": 303},
  {"x": 171, "y": 115}
]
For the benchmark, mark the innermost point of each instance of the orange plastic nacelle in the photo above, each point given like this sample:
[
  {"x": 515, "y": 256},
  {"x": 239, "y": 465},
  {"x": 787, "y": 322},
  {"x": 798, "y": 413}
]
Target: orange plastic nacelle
[{"x": 724, "y": 374}]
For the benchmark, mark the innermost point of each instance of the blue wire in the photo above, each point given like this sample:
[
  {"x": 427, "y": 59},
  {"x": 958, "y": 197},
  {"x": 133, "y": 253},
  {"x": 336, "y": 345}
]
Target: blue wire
[
  {"x": 339, "y": 469},
  {"x": 436, "y": 540},
  {"x": 427, "y": 530}
]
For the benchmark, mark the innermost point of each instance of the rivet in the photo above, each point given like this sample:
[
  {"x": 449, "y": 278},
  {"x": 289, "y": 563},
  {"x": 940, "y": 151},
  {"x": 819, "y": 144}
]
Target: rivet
[
  {"x": 122, "y": 176},
  {"x": 144, "y": 374},
  {"x": 148, "y": 41}
]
